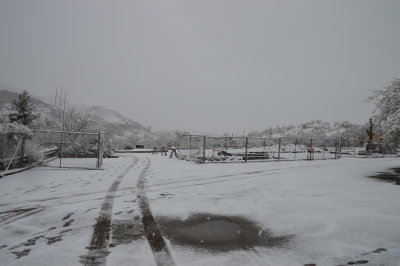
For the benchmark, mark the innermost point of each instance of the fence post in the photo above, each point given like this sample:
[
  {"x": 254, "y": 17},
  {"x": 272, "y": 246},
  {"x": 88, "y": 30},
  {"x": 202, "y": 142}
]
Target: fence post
[
  {"x": 204, "y": 149},
  {"x": 295, "y": 149},
  {"x": 98, "y": 151},
  {"x": 383, "y": 149},
  {"x": 22, "y": 151},
  {"x": 340, "y": 148},
  {"x": 61, "y": 145},
  {"x": 264, "y": 144},
  {"x": 190, "y": 147},
  {"x": 336, "y": 148},
  {"x": 279, "y": 149},
  {"x": 247, "y": 143},
  {"x": 3, "y": 152},
  {"x": 179, "y": 146},
  {"x": 323, "y": 149}
]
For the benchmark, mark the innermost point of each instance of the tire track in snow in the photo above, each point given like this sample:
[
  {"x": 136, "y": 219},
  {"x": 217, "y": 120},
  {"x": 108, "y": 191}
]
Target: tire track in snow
[
  {"x": 242, "y": 174},
  {"x": 10, "y": 217},
  {"x": 64, "y": 197},
  {"x": 223, "y": 178},
  {"x": 156, "y": 241},
  {"x": 164, "y": 185},
  {"x": 101, "y": 233},
  {"x": 246, "y": 175}
]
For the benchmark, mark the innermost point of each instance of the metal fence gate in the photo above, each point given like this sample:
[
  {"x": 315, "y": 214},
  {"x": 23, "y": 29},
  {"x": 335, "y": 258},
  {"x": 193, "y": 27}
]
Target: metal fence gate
[
  {"x": 69, "y": 149},
  {"x": 51, "y": 149},
  {"x": 11, "y": 150}
]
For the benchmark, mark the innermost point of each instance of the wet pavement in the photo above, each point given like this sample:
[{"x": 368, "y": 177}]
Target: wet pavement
[
  {"x": 391, "y": 176},
  {"x": 218, "y": 233},
  {"x": 126, "y": 231}
]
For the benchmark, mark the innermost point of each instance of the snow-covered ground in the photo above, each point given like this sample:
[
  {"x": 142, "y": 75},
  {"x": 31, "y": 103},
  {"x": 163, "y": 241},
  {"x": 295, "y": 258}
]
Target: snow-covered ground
[
  {"x": 49, "y": 213},
  {"x": 330, "y": 210}
]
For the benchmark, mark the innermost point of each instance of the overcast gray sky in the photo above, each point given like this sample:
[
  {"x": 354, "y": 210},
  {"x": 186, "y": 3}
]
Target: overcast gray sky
[{"x": 207, "y": 65}]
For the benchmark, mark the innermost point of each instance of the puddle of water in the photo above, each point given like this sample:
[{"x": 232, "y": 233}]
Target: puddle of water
[
  {"x": 218, "y": 233},
  {"x": 396, "y": 170},
  {"x": 392, "y": 176},
  {"x": 97, "y": 258}
]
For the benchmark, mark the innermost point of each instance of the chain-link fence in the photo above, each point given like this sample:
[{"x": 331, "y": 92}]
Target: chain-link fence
[
  {"x": 11, "y": 150},
  {"x": 69, "y": 149},
  {"x": 200, "y": 148},
  {"x": 51, "y": 148}
]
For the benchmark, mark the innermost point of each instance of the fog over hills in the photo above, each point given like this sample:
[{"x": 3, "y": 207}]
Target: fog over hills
[
  {"x": 107, "y": 116},
  {"x": 122, "y": 131}
]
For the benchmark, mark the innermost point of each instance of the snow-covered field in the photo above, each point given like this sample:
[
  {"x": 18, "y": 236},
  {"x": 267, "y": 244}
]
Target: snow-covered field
[{"x": 330, "y": 211}]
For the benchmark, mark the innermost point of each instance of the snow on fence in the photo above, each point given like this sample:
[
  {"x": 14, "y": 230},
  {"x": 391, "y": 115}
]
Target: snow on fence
[
  {"x": 70, "y": 149},
  {"x": 200, "y": 148},
  {"x": 51, "y": 148},
  {"x": 11, "y": 150}
]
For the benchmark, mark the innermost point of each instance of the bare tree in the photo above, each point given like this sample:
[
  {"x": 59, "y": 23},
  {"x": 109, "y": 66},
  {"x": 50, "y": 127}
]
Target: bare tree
[{"x": 80, "y": 120}]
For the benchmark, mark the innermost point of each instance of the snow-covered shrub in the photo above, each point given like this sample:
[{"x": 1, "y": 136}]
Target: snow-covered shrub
[
  {"x": 33, "y": 151},
  {"x": 387, "y": 111},
  {"x": 15, "y": 128}
]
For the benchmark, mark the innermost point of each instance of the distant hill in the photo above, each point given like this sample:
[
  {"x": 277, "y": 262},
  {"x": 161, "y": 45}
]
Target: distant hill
[
  {"x": 118, "y": 128},
  {"x": 113, "y": 117},
  {"x": 7, "y": 97},
  {"x": 316, "y": 129},
  {"x": 121, "y": 131}
]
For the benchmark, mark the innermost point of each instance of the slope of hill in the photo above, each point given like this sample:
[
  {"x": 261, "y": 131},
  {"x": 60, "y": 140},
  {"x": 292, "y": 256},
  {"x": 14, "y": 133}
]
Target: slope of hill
[
  {"x": 316, "y": 129},
  {"x": 121, "y": 131},
  {"x": 7, "y": 97},
  {"x": 113, "y": 117},
  {"x": 118, "y": 128}
]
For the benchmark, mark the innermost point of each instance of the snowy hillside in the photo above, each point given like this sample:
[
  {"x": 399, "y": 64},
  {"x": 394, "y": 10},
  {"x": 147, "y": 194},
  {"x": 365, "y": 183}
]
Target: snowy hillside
[
  {"x": 7, "y": 97},
  {"x": 113, "y": 117},
  {"x": 122, "y": 130},
  {"x": 316, "y": 129}
]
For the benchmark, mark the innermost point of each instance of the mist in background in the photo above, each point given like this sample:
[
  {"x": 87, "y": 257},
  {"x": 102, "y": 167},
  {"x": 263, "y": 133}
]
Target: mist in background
[{"x": 216, "y": 66}]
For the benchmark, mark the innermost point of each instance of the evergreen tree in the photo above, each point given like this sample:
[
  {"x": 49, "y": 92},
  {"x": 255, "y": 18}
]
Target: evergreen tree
[{"x": 23, "y": 107}]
